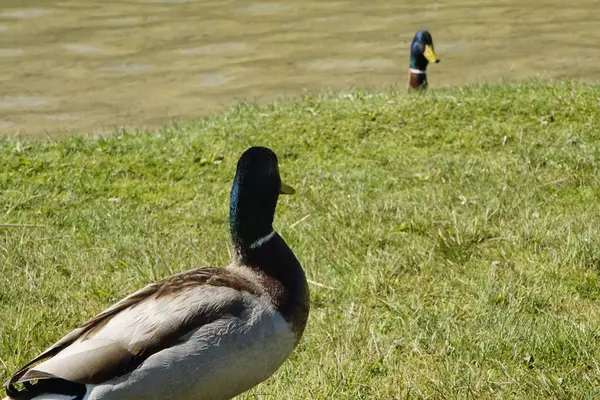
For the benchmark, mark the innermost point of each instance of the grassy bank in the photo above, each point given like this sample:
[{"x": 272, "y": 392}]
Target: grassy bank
[{"x": 454, "y": 236}]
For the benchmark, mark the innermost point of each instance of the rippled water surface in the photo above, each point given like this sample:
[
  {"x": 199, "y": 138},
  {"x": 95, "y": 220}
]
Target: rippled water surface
[{"x": 93, "y": 65}]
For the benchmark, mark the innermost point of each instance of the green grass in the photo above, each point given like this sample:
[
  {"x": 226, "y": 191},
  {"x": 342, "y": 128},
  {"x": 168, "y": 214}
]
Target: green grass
[{"x": 457, "y": 234}]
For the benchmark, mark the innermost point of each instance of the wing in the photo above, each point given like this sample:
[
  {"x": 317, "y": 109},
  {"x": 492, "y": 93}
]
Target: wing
[{"x": 155, "y": 317}]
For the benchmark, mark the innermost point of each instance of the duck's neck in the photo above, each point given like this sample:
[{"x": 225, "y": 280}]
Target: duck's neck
[
  {"x": 247, "y": 237},
  {"x": 417, "y": 72},
  {"x": 250, "y": 218},
  {"x": 417, "y": 79},
  {"x": 282, "y": 277}
]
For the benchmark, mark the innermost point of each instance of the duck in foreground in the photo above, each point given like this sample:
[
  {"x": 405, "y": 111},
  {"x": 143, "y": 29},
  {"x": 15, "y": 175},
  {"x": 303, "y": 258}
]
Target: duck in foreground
[
  {"x": 421, "y": 54},
  {"x": 207, "y": 333}
]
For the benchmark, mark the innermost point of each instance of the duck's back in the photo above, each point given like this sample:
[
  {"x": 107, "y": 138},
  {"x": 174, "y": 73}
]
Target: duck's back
[{"x": 219, "y": 360}]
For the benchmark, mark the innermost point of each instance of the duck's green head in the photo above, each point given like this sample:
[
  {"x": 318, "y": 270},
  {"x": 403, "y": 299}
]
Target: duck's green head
[
  {"x": 256, "y": 188},
  {"x": 421, "y": 51}
]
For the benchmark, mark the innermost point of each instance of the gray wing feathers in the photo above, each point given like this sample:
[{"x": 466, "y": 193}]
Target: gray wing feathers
[
  {"x": 75, "y": 334},
  {"x": 119, "y": 339}
]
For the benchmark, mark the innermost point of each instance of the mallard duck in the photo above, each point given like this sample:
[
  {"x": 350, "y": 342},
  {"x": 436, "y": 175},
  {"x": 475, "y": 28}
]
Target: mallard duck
[
  {"x": 421, "y": 54},
  {"x": 207, "y": 333}
]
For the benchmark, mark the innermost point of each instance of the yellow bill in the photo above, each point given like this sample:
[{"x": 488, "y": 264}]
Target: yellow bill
[
  {"x": 430, "y": 54},
  {"x": 286, "y": 189}
]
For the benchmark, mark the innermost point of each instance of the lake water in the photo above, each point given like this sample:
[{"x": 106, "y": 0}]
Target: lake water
[{"x": 82, "y": 66}]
